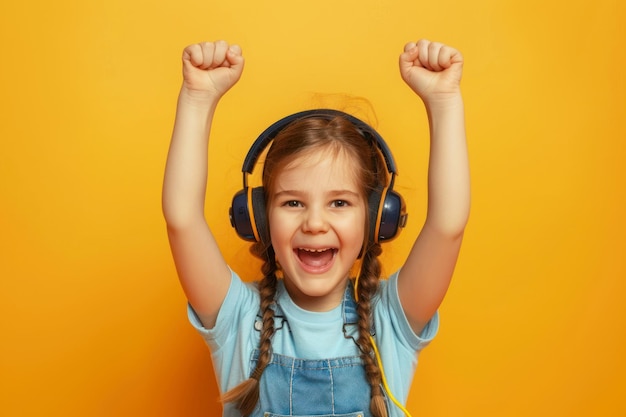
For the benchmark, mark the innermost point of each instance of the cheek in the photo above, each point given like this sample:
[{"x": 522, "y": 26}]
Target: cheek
[
  {"x": 359, "y": 238},
  {"x": 354, "y": 231},
  {"x": 280, "y": 232}
]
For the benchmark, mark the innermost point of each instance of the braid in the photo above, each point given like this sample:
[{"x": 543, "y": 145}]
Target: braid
[
  {"x": 246, "y": 395},
  {"x": 367, "y": 287}
]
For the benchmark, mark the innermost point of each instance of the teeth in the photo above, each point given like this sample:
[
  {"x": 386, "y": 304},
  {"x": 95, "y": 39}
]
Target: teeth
[{"x": 314, "y": 250}]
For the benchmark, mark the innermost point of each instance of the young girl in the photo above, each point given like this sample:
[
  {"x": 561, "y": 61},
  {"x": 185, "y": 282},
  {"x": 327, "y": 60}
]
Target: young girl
[{"x": 304, "y": 340}]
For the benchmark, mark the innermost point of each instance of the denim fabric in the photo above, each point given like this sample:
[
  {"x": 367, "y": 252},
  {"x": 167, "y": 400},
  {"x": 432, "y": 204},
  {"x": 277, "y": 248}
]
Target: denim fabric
[
  {"x": 298, "y": 387},
  {"x": 322, "y": 387}
]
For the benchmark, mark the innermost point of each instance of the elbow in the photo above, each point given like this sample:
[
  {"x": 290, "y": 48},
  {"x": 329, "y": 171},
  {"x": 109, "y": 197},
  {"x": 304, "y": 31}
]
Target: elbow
[
  {"x": 180, "y": 223},
  {"x": 450, "y": 219},
  {"x": 170, "y": 213},
  {"x": 449, "y": 227},
  {"x": 179, "y": 218}
]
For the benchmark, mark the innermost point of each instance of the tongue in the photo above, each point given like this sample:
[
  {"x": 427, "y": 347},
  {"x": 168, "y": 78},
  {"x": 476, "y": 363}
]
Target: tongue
[{"x": 315, "y": 258}]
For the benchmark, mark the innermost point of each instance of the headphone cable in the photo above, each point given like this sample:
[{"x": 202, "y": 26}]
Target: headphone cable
[
  {"x": 382, "y": 374},
  {"x": 378, "y": 359}
]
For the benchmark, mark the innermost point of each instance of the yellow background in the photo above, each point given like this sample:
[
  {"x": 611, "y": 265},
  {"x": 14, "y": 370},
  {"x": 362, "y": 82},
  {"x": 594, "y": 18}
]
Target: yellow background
[{"x": 92, "y": 318}]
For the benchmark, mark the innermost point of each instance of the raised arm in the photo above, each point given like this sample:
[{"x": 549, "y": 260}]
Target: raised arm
[
  {"x": 209, "y": 71},
  {"x": 433, "y": 71}
]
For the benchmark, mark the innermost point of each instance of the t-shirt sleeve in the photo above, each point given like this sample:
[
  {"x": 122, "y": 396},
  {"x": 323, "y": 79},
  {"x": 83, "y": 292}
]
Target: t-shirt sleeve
[
  {"x": 232, "y": 338},
  {"x": 241, "y": 301},
  {"x": 416, "y": 342}
]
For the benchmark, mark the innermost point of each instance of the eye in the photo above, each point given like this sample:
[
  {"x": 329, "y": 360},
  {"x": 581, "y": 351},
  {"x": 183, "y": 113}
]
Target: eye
[
  {"x": 339, "y": 203},
  {"x": 292, "y": 203}
]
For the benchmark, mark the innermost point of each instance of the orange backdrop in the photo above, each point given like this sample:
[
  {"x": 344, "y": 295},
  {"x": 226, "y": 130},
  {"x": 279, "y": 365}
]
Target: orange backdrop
[{"x": 92, "y": 318}]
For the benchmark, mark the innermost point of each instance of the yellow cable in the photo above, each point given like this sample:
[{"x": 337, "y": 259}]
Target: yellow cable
[
  {"x": 382, "y": 374},
  {"x": 380, "y": 362}
]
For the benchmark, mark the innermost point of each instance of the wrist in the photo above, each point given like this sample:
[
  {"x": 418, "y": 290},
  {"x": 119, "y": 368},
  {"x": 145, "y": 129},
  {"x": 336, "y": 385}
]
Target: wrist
[
  {"x": 444, "y": 102},
  {"x": 201, "y": 99}
]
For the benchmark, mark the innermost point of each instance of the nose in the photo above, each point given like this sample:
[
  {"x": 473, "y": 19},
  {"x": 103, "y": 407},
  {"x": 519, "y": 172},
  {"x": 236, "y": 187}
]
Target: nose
[{"x": 315, "y": 221}]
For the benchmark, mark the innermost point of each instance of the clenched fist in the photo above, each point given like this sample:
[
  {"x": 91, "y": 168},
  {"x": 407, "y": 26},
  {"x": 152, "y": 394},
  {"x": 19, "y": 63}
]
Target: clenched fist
[
  {"x": 211, "y": 68},
  {"x": 433, "y": 70}
]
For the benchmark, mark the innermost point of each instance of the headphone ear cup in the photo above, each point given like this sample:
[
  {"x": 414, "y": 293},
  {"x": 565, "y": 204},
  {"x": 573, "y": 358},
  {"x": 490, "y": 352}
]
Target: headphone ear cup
[
  {"x": 373, "y": 204},
  {"x": 240, "y": 217},
  {"x": 247, "y": 215},
  {"x": 387, "y": 214},
  {"x": 258, "y": 208},
  {"x": 392, "y": 216}
]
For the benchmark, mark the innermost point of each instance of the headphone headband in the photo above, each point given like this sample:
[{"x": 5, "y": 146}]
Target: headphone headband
[{"x": 270, "y": 133}]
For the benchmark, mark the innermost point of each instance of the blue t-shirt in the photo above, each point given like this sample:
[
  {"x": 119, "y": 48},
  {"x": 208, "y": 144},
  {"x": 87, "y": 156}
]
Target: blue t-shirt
[{"x": 311, "y": 335}]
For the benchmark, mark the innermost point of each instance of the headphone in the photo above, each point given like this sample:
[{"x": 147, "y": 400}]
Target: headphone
[{"x": 387, "y": 211}]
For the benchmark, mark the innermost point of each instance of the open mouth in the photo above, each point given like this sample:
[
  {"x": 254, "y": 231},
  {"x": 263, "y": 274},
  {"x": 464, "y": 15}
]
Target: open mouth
[{"x": 315, "y": 258}]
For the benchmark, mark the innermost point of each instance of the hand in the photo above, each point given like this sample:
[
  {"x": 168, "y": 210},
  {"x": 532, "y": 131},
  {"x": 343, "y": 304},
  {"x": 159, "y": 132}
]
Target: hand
[
  {"x": 432, "y": 69},
  {"x": 210, "y": 69}
]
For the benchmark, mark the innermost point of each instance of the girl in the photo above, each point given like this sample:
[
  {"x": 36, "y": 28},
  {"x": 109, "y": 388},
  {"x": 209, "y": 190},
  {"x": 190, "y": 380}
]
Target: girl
[{"x": 303, "y": 341}]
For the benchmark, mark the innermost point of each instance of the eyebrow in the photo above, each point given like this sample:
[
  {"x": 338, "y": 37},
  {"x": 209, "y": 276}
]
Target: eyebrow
[{"x": 301, "y": 193}]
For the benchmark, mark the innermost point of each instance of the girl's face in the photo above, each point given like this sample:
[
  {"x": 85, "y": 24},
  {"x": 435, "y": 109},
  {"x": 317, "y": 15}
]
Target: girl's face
[{"x": 317, "y": 227}]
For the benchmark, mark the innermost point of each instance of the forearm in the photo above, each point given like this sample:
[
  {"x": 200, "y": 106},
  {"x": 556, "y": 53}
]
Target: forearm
[
  {"x": 448, "y": 171},
  {"x": 184, "y": 185}
]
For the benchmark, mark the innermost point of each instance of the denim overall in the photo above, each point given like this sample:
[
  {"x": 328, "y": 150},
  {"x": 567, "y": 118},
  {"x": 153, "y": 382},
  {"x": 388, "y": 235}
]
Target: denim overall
[{"x": 320, "y": 388}]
